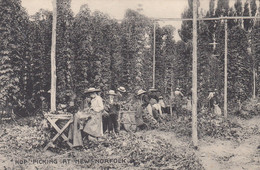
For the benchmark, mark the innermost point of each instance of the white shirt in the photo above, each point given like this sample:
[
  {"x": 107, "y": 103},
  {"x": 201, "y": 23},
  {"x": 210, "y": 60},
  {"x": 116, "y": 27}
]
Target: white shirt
[
  {"x": 157, "y": 106},
  {"x": 149, "y": 109},
  {"x": 97, "y": 104},
  {"x": 161, "y": 102},
  {"x": 177, "y": 92},
  {"x": 211, "y": 94}
]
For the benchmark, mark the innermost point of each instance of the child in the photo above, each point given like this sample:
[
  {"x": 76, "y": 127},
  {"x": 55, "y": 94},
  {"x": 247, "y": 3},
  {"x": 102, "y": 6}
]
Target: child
[{"x": 113, "y": 110}]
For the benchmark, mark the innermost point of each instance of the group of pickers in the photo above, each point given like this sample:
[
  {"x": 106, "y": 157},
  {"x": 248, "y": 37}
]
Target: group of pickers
[{"x": 99, "y": 116}]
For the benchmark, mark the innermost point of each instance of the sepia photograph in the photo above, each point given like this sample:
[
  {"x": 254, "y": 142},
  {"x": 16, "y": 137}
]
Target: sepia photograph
[{"x": 130, "y": 84}]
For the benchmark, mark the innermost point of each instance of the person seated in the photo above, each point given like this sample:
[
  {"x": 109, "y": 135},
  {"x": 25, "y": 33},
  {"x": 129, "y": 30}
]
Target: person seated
[
  {"x": 144, "y": 115},
  {"x": 153, "y": 94},
  {"x": 217, "y": 110},
  {"x": 161, "y": 102}
]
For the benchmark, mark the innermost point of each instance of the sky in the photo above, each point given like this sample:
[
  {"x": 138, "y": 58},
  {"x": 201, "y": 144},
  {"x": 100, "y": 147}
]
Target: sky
[{"x": 116, "y": 8}]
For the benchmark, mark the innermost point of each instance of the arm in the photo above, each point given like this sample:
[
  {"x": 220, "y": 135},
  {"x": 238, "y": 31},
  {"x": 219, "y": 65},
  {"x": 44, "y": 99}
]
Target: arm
[
  {"x": 149, "y": 109},
  {"x": 97, "y": 105}
]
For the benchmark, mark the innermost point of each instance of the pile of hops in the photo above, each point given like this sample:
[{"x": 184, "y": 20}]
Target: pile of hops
[
  {"x": 140, "y": 151},
  {"x": 218, "y": 127},
  {"x": 250, "y": 108},
  {"x": 208, "y": 125},
  {"x": 24, "y": 137}
]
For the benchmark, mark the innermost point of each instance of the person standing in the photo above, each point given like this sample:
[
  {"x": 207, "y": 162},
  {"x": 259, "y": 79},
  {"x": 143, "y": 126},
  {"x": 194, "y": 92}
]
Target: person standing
[
  {"x": 213, "y": 99},
  {"x": 113, "y": 110},
  {"x": 121, "y": 96},
  {"x": 178, "y": 101},
  {"x": 94, "y": 126},
  {"x": 122, "y": 101},
  {"x": 139, "y": 110}
]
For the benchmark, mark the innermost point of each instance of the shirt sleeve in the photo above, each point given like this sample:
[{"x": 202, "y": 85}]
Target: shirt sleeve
[
  {"x": 98, "y": 106},
  {"x": 150, "y": 109}
]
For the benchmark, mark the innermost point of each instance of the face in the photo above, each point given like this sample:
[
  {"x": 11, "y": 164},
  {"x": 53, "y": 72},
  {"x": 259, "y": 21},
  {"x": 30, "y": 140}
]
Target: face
[
  {"x": 111, "y": 97},
  {"x": 93, "y": 95}
]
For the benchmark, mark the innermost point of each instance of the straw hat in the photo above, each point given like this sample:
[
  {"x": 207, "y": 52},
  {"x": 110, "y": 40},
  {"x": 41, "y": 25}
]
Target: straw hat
[
  {"x": 160, "y": 97},
  {"x": 121, "y": 89},
  {"x": 141, "y": 91},
  {"x": 91, "y": 90},
  {"x": 111, "y": 92},
  {"x": 152, "y": 90}
]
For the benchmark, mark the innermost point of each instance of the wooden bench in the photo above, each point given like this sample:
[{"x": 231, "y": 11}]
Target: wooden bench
[{"x": 52, "y": 119}]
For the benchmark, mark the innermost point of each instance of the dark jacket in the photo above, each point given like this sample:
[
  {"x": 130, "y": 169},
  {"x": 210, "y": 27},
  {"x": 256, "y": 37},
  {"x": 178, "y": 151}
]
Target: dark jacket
[{"x": 112, "y": 108}]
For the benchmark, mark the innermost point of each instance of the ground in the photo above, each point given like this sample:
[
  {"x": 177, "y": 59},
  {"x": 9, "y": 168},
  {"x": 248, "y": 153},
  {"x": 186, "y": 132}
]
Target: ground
[
  {"x": 157, "y": 148},
  {"x": 230, "y": 154}
]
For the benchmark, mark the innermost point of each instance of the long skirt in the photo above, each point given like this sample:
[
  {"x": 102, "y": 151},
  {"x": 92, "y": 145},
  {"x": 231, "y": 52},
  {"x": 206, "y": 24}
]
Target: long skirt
[
  {"x": 75, "y": 129},
  {"x": 94, "y": 125}
]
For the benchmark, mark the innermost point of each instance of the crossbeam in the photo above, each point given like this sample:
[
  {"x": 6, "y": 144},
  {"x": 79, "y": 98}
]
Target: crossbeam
[
  {"x": 200, "y": 19},
  {"x": 206, "y": 19}
]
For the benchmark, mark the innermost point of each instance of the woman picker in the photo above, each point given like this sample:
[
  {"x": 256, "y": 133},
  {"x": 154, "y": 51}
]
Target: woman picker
[
  {"x": 93, "y": 126},
  {"x": 89, "y": 120},
  {"x": 144, "y": 111}
]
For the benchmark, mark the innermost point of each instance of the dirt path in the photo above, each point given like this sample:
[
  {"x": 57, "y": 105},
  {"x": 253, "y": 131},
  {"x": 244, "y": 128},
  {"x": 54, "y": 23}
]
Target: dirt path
[{"x": 218, "y": 154}]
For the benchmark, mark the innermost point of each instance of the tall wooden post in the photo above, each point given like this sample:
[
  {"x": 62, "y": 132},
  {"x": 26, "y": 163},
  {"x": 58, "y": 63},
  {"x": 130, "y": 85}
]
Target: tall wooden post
[
  {"x": 225, "y": 81},
  {"x": 154, "y": 55},
  {"x": 254, "y": 87},
  {"x": 194, "y": 77},
  {"x": 171, "y": 98},
  {"x": 53, "y": 61}
]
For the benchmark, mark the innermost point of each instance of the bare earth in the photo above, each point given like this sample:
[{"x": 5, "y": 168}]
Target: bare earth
[{"x": 214, "y": 154}]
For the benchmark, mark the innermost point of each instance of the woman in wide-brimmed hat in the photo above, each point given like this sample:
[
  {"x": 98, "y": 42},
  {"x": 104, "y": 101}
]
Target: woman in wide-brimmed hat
[
  {"x": 144, "y": 111},
  {"x": 92, "y": 116},
  {"x": 94, "y": 127}
]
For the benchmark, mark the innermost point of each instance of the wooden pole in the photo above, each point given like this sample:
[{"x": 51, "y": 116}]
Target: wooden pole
[
  {"x": 194, "y": 78},
  {"x": 225, "y": 81},
  {"x": 254, "y": 87},
  {"x": 53, "y": 61},
  {"x": 171, "y": 98},
  {"x": 154, "y": 55}
]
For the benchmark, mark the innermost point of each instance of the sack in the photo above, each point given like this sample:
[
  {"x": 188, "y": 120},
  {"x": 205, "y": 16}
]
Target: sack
[
  {"x": 217, "y": 110},
  {"x": 189, "y": 106}
]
